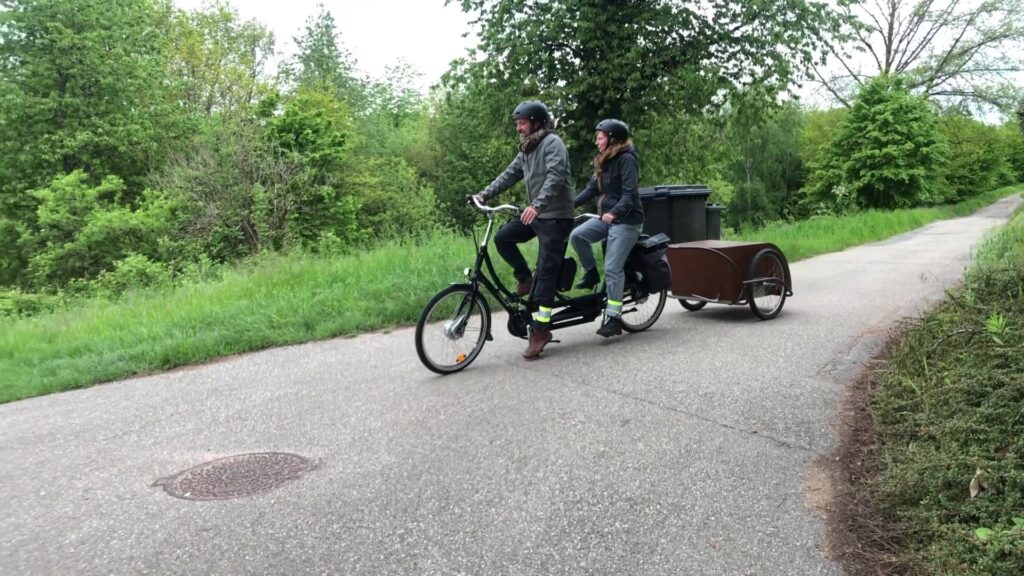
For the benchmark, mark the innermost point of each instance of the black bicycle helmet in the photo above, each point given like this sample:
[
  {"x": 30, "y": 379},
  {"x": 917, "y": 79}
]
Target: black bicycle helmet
[
  {"x": 617, "y": 129},
  {"x": 532, "y": 110}
]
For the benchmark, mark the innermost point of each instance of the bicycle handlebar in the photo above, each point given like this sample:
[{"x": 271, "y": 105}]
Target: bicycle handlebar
[{"x": 514, "y": 210}]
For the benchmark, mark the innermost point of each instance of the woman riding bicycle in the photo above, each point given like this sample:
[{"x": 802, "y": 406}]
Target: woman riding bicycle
[{"x": 621, "y": 217}]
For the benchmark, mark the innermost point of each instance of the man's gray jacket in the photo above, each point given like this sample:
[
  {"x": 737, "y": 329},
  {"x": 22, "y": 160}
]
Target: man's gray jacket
[{"x": 548, "y": 180}]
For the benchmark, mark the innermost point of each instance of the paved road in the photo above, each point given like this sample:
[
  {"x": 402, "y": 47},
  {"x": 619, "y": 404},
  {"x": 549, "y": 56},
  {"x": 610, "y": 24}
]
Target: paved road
[{"x": 682, "y": 450}]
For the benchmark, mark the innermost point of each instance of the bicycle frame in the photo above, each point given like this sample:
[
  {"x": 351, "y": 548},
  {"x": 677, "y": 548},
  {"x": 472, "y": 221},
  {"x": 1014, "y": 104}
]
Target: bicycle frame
[
  {"x": 440, "y": 342},
  {"x": 568, "y": 311}
]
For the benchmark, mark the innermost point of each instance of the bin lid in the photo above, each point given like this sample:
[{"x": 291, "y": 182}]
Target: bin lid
[
  {"x": 690, "y": 193},
  {"x": 677, "y": 190},
  {"x": 652, "y": 193}
]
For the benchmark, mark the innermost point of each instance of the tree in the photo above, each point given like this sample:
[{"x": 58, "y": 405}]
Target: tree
[
  {"x": 886, "y": 154},
  {"x": 955, "y": 50},
  {"x": 1020, "y": 117},
  {"x": 474, "y": 135},
  {"x": 977, "y": 161},
  {"x": 1013, "y": 149},
  {"x": 633, "y": 59},
  {"x": 322, "y": 63},
  {"x": 83, "y": 89},
  {"x": 396, "y": 120},
  {"x": 768, "y": 169},
  {"x": 82, "y": 230},
  {"x": 217, "y": 60}
]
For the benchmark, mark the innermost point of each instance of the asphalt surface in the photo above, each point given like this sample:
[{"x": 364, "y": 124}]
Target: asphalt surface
[{"x": 685, "y": 449}]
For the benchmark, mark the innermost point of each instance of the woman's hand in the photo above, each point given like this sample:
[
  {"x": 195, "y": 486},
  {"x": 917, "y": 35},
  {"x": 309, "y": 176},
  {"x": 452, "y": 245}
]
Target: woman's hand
[{"x": 608, "y": 218}]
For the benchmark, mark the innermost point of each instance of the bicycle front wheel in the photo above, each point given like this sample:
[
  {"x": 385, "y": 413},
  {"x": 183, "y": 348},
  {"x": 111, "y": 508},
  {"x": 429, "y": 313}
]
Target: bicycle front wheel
[
  {"x": 452, "y": 329},
  {"x": 642, "y": 310}
]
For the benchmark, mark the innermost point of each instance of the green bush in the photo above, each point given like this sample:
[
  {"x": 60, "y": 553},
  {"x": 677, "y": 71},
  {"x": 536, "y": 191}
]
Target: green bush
[
  {"x": 887, "y": 152},
  {"x": 82, "y": 230},
  {"x": 1012, "y": 147},
  {"x": 976, "y": 161},
  {"x": 393, "y": 201},
  {"x": 133, "y": 271},
  {"x": 14, "y": 302}
]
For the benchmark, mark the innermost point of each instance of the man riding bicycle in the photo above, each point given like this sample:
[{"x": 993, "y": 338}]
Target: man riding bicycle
[{"x": 543, "y": 164}]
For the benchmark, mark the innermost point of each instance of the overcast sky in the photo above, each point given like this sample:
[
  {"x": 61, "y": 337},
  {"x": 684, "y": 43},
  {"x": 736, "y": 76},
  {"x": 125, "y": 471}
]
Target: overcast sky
[{"x": 425, "y": 33}]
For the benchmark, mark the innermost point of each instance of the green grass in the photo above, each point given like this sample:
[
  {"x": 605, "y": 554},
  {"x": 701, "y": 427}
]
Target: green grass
[
  {"x": 821, "y": 235},
  {"x": 278, "y": 300},
  {"x": 285, "y": 299},
  {"x": 949, "y": 410}
]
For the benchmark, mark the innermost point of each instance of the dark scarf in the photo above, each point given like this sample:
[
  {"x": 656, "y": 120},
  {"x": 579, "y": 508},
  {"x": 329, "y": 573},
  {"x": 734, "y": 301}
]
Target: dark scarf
[{"x": 529, "y": 143}]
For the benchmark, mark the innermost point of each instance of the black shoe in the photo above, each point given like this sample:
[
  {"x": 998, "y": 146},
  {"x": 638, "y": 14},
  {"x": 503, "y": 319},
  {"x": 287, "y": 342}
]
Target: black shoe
[
  {"x": 611, "y": 327},
  {"x": 590, "y": 279}
]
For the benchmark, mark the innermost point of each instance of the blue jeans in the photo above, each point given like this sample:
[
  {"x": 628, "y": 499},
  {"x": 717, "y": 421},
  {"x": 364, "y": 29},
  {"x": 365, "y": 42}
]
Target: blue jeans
[{"x": 621, "y": 238}]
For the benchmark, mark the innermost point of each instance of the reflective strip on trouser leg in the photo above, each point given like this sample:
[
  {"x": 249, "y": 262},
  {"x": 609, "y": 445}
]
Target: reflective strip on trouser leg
[
  {"x": 614, "y": 308},
  {"x": 542, "y": 315}
]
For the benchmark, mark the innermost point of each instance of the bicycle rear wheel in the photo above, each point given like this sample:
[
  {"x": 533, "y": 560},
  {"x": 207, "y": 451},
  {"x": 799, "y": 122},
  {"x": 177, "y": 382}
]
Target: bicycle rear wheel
[
  {"x": 641, "y": 310},
  {"x": 452, "y": 329}
]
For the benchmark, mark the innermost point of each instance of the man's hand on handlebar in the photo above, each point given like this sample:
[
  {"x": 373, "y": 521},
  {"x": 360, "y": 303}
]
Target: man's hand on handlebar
[
  {"x": 479, "y": 198},
  {"x": 528, "y": 215}
]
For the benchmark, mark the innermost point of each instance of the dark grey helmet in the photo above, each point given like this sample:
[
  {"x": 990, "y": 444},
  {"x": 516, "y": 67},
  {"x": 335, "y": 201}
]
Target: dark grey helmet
[
  {"x": 533, "y": 110},
  {"x": 617, "y": 129}
]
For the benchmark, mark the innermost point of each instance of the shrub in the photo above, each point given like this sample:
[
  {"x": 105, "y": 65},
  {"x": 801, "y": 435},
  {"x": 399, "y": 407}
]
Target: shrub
[
  {"x": 976, "y": 161},
  {"x": 82, "y": 230},
  {"x": 133, "y": 271},
  {"x": 887, "y": 152}
]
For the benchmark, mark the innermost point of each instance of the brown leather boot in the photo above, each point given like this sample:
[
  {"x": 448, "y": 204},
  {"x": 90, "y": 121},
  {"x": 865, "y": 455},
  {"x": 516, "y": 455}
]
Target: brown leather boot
[
  {"x": 539, "y": 338},
  {"x": 524, "y": 286}
]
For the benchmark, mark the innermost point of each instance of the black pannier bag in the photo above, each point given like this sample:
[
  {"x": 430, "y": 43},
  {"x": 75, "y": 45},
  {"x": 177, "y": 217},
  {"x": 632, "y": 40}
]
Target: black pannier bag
[{"x": 648, "y": 265}]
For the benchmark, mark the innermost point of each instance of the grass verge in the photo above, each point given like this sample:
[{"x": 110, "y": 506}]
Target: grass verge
[
  {"x": 933, "y": 471},
  {"x": 286, "y": 299},
  {"x": 950, "y": 422}
]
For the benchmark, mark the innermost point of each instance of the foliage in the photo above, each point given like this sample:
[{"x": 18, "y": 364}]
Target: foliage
[
  {"x": 321, "y": 63},
  {"x": 16, "y": 303},
  {"x": 315, "y": 134},
  {"x": 12, "y": 260},
  {"x": 83, "y": 89},
  {"x": 948, "y": 422},
  {"x": 1012, "y": 146},
  {"x": 134, "y": 271},
  {"x": 959, "y": 51},
  {"x": 216, "y": 60},
  {"x": 253, "y": 186},
  {"x": 977, "y": 159},
  {"x": 592, "y": 59},
  {"x": 394, "y": 202},
  {"x": 886, "y": 154},
  {"x": 768, "y": 169},
  {"x": 474, "y": 136},
  {"x": 396, "y": 120},
  {"x": 82, "y": 230},
  {"x": 680, "y": 149},
  {"x": 819, "y": 127}
]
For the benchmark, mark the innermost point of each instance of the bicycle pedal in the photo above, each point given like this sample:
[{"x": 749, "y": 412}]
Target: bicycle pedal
[{"x": 553, "y": 341}]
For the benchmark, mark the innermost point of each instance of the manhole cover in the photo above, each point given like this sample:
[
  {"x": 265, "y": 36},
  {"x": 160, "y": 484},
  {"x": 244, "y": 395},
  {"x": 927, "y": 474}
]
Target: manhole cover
[{"x": 236, "y": 476}]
